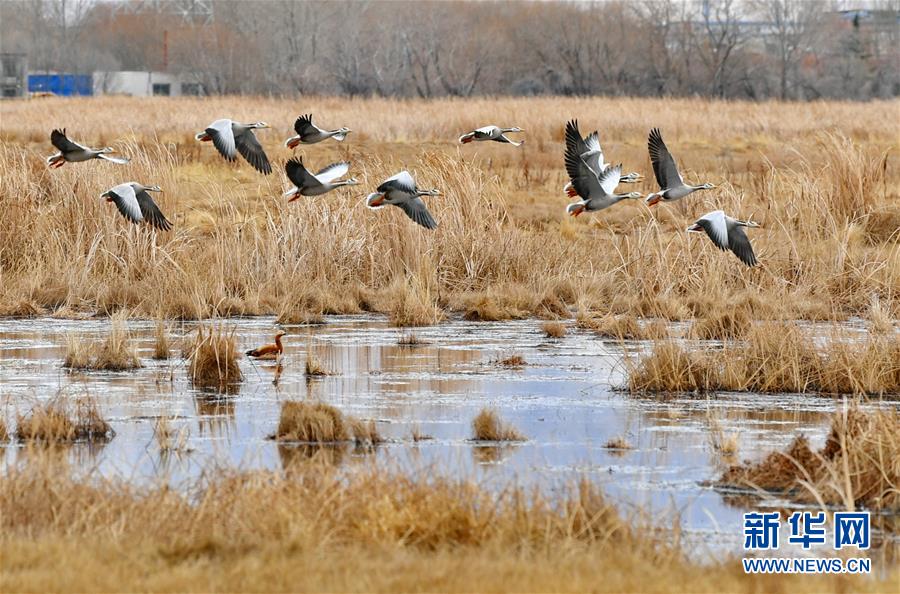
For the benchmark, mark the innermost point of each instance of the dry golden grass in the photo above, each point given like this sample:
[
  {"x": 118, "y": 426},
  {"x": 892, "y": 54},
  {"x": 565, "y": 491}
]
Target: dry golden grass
[
  {"x": 775, "y": 357},
  {"x": 114, "y": 354},
  {"x": 213, "y": 359},
  {"x": 859, "y": 465},
  {"x": 553, "y": 329},
  {"x": 318, "y": 422},
  {"x": 410, "y": 339},
  {"x": 161, "y": 348},
  {"x": 399, "y": 533},
  {"x": 513, "y": 361},
  {"x": 60, "y": 421},
  {"x": 730, "y": 323},
  {"x": 168, "y": 439},
  {"x": 4, "y": 433},
  {"x": 623, "y": 327},
  {"x": 487, "y": 426},
  {"x": 313, "y": 366},
  {"x": 827, "y": 201}
]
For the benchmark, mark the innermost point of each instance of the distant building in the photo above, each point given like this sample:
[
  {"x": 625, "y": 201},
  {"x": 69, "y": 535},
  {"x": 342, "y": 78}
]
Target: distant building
[
  {"x": 13, "y": 75},
  {"x": 144, "y": 84}
]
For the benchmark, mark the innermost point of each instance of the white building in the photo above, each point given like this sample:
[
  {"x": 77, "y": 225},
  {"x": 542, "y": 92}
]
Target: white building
[{"x": 144, "y": 84}]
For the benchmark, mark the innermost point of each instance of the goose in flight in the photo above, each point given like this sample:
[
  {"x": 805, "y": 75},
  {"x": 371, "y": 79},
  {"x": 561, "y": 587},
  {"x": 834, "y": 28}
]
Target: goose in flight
[
  {"x": 134, "y": 202},
  {"x": 309, "y": 133},
  {"x": 307, "y": 184},
  {"x": 400, "y": 190},
  {"x": 671, "y": 186},
  {"x": 269, "y": 351},
  {"x": 589, "y": 149},
  {"x": 727, "y": 234},
  {"x": 494, "y": 133},
  {"x": 230, "y": 137},
  {"x": 596, "y": 191},
  {"x": 73, "y": 152}
]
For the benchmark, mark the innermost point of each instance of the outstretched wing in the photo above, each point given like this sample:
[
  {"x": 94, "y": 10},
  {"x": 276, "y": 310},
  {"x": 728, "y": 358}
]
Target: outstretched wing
[
  {"x": 250, "y": 149},
  {"x": 304, "y": 127},
  {"x": 716, "y": 228},
  {"x": 574, "y": 143},
  {"x": 332, "y": 172},
  {"x": 593, "y": 155},
  {"x": 117, "y": 160},
  {"x": 740, "y": 245},
  {"x": 609, "y": 179},
  {"x": 151, "y": 211},
  {"x": 401, "y": 182},
  {"x": 223, "y": 138},
  {"x": 584, "y": 180},
  {"x": 298, "y": 174},
  {"x": 124, "y": 198},
  {"x": 417, "y": 211},
  {"x": 59, "y": 139},
  {"x": 664, "y": 167}
]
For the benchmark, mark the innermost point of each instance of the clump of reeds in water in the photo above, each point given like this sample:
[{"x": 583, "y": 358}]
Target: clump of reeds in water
[
  {"x": 318, "y": 422},
  {"x": 214, "y": 359},
  {"x": 617, "y": 443},
  {"x": 487, "y": 426},
  {"x": 513, "y": 361},
  {"x": 314, "y": 366},
  {"x": 773, "y": 357},
  {"x": 115, "y": 353},
  {"x": 726, "y": 323},
  {"x": 161, "y": 346},
  {"x": 57, "y": 421},
  {"x": 410, "y": 339},
  {"x": 553, "y": 329},
  {"x": 169, "y": 439},
  {"x": 859, "y": 465},
  {"x": 622, "y": 327}
]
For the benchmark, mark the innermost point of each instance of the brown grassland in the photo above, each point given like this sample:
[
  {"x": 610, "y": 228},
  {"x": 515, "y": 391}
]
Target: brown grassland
[{"x": 822, "y": 179}]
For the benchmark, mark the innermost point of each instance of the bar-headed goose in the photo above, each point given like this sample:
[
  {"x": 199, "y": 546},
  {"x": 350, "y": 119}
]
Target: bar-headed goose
[
  {"x": 309, "y": 133},
  {"x": 400, "y": 190},
  {"x": 589, "y": 149},
  {"x": 494, "y": 133},
  {"x": 74, "y": 153},
  {"x": 727, "y": 234},
  {"x": 230, "y": 137},
  {"x": 307, "y": 184},
  {"x": 597, "y": 191},
  {"x": 671, "y": 186},
  {"x": 134, "y": 202}
]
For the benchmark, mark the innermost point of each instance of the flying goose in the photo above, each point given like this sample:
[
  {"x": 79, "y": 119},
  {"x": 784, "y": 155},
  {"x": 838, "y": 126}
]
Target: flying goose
[
  {"x": 230, "y": 137},
  {"x": 400, "y": 190},
  {"x": 269, "y": 351},
  {"x": 589, "y": 149},
  {"x": 494, "y": 133},
  {"x": 597, "y": 191},
  {"x": 136, "y": 205},
  {"x": 307, "y": 184},
  {"x": 671, "y": 186},
  {"x": 727, "y": 234},
  {"x": 309, "y": 133},
  {"x": 73, "y": 152}
]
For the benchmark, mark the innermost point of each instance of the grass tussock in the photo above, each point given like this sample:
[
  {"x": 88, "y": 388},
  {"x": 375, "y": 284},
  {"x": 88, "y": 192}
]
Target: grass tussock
[
  {"x": 512, "y": 361},
  {"x": 417, "y": 435},
  {"x": 410, "y": 339},
  {"x": 314, "y": 366},
  {"x": 732, "y": 323},
  {"x": 60, "y": 421},
  {"x": 859, "y": 466},
  {"x": 115, "y": 353},
  {"x": 487, "y": 426},
  {"x": 622, "y": 327},
  {"x": 774, "y": 357},
  {"x": 617, "y": 443},
  {"x": 318, "y": 422},
  {"x": 553, "y": 329},
  {"x": 169, "y": 439},
  {"x": 161, "y": 347},
  {"x": 214, "y": 359}
]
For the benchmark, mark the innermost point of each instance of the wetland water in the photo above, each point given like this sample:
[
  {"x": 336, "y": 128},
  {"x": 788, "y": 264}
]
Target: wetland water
[{"x": 564, "y": 401}]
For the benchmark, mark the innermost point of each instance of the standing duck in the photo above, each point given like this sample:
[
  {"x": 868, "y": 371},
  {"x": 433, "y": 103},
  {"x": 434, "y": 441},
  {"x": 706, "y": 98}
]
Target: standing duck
[
  {"x": 589, "y": 149},
  {"x": 307, "y": 184},
  {"x": 671, "y": 186},
  {"x": 269, "y": 351},
  {"x": 230, "y": 137},
  {"x": 726, "y": 233},
  {"x": 135, "y": 204},
  {"x": 72, "y": 152},
  {"x": 494, "y": 133},
  {"x": 309, "y": 133},
  {"x": 400, "y": 190}
]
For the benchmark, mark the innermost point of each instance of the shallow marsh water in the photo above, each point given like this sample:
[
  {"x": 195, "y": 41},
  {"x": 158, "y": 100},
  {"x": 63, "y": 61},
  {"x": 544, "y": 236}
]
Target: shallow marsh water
[{"x": 564, "y": 401}]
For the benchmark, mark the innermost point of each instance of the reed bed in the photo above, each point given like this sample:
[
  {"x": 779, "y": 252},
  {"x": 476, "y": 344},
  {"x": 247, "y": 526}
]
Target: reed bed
[
  {"x": 774, "y": 357},
  {"x": 161, "y": 347},
  {"x": 214, "y": 359},
  {"x": 622, "y": 327},
  {"x": 828, "y": 203},
  {"x": 553, "y": 329},
  {"x": 115, "y": 353},
  {"x": 62, "y": 421},
  {"x": 859, "y": 466},
  {"x": 318, "y": 422},
  {"x": 488, "y": 426},
  {"x": 60, "y": 532}
]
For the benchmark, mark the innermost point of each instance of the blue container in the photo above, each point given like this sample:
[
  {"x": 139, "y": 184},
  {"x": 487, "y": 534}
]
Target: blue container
[{"x": 67, "y": 85}]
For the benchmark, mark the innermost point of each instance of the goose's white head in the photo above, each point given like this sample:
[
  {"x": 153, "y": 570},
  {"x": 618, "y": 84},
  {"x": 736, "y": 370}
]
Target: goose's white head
[{"x": 260, "y": 125}]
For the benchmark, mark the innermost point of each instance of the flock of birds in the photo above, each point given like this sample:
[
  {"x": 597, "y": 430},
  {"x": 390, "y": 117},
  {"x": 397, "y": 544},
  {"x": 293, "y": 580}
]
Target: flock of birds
[{"x": 592, "y": 179}]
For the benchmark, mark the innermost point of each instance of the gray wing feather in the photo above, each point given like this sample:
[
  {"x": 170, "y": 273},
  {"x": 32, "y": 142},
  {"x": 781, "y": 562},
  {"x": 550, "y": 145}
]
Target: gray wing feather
[
  {"x": 664, "y": 167},
  {"x": 249, "y": 147},
  {"x": 151, "y": 211},
  {"x": 417, "y": 211},
  {"x": 740, "y": 245}
]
